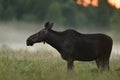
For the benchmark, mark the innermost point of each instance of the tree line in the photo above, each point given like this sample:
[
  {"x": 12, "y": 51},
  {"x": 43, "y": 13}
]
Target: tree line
[{"x": 63, "y": 12}]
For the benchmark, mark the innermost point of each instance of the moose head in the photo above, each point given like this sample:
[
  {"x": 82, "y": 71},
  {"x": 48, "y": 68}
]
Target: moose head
[{"x": 40, "y": 36}]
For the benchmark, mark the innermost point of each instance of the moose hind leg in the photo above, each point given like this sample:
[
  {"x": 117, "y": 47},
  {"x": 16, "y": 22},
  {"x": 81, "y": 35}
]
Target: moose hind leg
[
  {"x": 102, "y": 64},
  {"x": 105, "y": 64},
  {"x": 105, "y": 61},
  {"x": 97, "y": 63}
]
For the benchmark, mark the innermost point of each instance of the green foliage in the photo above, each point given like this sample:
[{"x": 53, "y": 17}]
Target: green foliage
[
  {"x": 55, "y": 13},
  {"x": 115, "y": 22},
  {"x": 66, "y": 12}
]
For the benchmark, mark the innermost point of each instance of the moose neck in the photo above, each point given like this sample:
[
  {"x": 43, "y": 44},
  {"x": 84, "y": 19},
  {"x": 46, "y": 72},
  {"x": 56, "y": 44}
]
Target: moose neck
[{"x": 54, "y": 39}]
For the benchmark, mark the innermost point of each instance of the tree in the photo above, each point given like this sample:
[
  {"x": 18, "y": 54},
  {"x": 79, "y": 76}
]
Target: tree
[
  {"x": 55, "y": 13},
  {"x": 115, "y": 22}
]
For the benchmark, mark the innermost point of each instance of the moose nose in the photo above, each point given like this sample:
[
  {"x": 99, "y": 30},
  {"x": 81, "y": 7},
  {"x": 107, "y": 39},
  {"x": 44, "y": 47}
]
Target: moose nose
[{"x": 29, "y": 43}]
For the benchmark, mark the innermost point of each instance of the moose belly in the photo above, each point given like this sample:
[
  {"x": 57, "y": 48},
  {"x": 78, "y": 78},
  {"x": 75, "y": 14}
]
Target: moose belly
[
  {"x": 81, "y": 55},
  {"x": 82, "y": 52},
  {"x": 86, "y": 55}
]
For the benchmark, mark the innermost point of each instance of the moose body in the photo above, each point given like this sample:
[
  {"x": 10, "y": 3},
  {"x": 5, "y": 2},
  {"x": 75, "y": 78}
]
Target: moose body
[{"x": 73, "y": 45}]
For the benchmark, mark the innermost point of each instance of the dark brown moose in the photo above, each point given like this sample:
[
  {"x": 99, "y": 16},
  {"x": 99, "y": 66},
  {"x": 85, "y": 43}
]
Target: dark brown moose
[{"x": 73, "y": 45}]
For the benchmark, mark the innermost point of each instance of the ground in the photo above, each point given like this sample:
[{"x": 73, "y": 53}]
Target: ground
[{"x": 22, "y": 64}]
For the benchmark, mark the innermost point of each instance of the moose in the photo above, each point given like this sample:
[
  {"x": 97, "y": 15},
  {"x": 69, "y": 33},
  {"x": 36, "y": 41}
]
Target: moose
[{"x": 73, "y": 45}]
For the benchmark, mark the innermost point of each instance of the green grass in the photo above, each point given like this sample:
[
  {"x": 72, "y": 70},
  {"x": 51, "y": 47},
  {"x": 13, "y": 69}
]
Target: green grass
[{"x": 41, "y": 65}]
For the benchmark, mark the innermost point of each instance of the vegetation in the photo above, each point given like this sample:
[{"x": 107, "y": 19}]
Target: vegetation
[
  {"x": 40, "y": 65},
  {"x": 62, "y": 12}
]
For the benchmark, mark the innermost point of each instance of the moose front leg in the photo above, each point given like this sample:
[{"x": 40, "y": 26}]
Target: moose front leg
[
  {"x": 70, "y": 64},
  {"x": 70, "y": 72}
]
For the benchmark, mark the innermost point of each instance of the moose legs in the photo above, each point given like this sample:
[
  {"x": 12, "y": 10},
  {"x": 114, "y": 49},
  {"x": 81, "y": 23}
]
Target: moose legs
[
  {"x": 70, "y": 71},
  {"x": 103, "y": 63},
  {"x": 70, "y": 64}
]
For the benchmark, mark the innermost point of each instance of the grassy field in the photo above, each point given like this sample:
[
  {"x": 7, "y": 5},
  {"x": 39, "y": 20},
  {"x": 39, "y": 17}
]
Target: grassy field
[{"x": 22, "y": 64}]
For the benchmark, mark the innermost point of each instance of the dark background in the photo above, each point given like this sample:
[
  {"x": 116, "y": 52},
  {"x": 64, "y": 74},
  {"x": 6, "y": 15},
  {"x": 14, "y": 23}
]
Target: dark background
[
  {"x": 63, "y": 12},
  {"x": 21, "y": 18}
]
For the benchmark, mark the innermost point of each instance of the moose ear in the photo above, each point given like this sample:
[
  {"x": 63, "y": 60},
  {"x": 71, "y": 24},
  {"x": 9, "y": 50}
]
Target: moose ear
[{"x": 48, "y": 25}]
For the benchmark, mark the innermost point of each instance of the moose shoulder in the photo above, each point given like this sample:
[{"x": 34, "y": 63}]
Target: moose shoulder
[{"x": 73, "y": 45}]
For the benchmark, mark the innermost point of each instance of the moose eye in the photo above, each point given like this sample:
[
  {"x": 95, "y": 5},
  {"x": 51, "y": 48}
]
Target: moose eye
[
  {"x": 39, "y": 32},
  {"x": 42, "y": 32}
]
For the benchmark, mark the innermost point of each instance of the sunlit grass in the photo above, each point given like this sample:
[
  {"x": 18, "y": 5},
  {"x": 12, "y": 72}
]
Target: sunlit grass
[{"x": 36, "y": 65}]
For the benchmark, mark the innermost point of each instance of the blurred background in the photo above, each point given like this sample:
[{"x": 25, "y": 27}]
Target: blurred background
[{"x": 21, "y": 18}]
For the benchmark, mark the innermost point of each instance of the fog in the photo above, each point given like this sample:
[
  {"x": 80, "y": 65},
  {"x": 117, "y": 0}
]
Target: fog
[{"x": 14, "y": 35}]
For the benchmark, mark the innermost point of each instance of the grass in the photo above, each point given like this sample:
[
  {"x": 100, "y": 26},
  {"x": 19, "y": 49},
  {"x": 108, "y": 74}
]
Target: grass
[{"x": 41, "y": 65}]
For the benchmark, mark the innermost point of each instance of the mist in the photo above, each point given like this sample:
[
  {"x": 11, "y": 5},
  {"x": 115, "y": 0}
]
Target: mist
[{"x": 14, "y": 35}]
